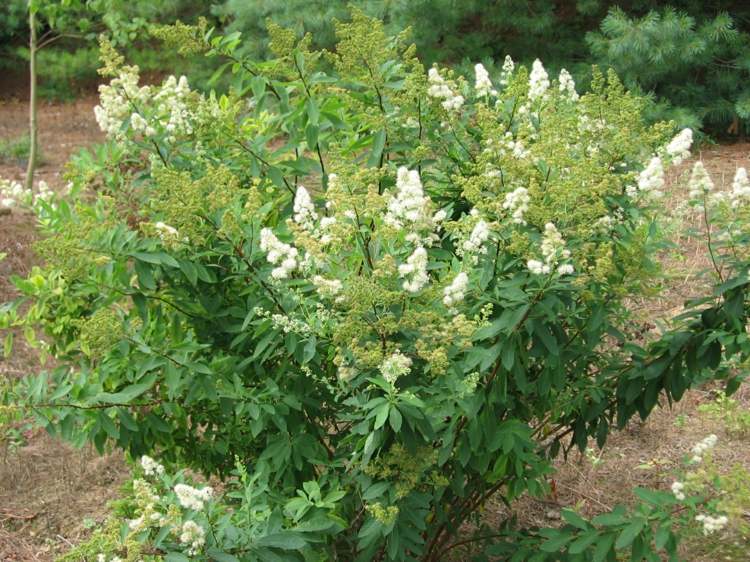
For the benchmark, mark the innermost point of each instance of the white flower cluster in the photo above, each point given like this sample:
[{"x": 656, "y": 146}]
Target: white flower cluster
[
  {"x": 712, "y": 524},
  {"x": 537, "y": 268},
  {"x": 304, "y": 210},
  {"x": 150, "y": 109},
  {"x": 43, "y": 192},
  {"x": 13, "y": 193},
  {"x": 607, "y": 222},
  {"x": 346, "y": 373},
  {"x": 678, "y": 489},
  {"x": 140, "y": 125},
  {"x": 410, "y": 208},
  {"x": 482, "y": 82},
  {"x": 286, "y": 323},
  {"x": 702, "y": 447},
  {"x": 194, "y": 536},
  {"x": 507, "y": 70},
  {"x": 588, "y": 125},
  {"x": 517, "y": 202},
  {"x": 414, "y": 271},
  {"x": 290, "y": 325},
  {"x": 538, "y": 81},
  {"x": 740, "y": 188},
  {"x": 325, "y": 224},
  {"x": 116, "y": 101},
  {"x": 151, "y": 467},
  {"x": 474, "y": 245},
  {"x": 553, "y": 248},
  {"x": 169, "y": 235},
  {"x": 567, "y": 85},
  {"x": 278, "y": 253},
  {"x": 103, "y": 558},
  {"x": 327, "y": 287},
  {"x": 650, "y": 181},
  {"x": 147, "y": 500},
  {"x": 193, "y": 498},
  {"x": 440, "y": 89},
  {"x": 506, "y": 144},
  {"x": 409, "y": 205},
  {"x": 700, "y": 182},
  {"x": 678, "y": 148},
  {"x": 456, "y": 291},
  {"x": 395, "y": 366},
  {"x": 172, "y": 107}
]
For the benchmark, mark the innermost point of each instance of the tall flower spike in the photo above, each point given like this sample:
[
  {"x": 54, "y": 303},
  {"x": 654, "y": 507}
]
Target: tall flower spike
[
  {"x": 415, "y": 270},
  {"x": 507, "y": 70},
  {"x": 678, "y": 148},
  {"x": 538, "y": 81},
  {"x": 439, "y": 89},
  {"x": 517, "y": 202},
  {"x": 454, "y": 293},
  {"x": 395, "y": 366},
  {"x": 568, "y": 85},
  {"x": 651, "y": 179},
  {"x": 474, "y": 245},
  {"x": 700, "y": 182},
  {"x": 410, "y": 209},
  {"x": 483, "y": 84},
  {"x": 304, "y": 210},
  {"x": 740, "y": 188},
  {"x": 278, "y": 253}
]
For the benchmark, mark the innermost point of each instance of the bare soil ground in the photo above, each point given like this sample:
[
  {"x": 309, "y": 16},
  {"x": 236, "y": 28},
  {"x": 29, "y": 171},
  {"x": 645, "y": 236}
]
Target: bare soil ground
[{"x": 51, "y": 494}]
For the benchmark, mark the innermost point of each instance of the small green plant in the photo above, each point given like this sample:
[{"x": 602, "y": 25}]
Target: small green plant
[
  {"x": 13, "y": 423},
  {"x": 15, "y": 151},
  {"x": 734, "y": 417}
]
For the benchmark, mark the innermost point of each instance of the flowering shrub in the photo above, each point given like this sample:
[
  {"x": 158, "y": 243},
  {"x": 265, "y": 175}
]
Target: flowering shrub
[{"x": 393, "y": 294}]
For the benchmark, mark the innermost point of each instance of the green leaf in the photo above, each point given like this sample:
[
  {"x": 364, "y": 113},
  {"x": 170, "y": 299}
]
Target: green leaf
[
  {"x": 221, "y": 556},
  {"x": 126, "y": 395},
  {"x": 610, "y": 519},
  {"x": 285, "y": 540},
  {"x": 654, "y": 497},
  {"x": 190, "y": 271},
  {"x": 395, "y": 419},
  {"x": 628, "y": 534},
  {"x": 378, "y": 144},
  {"x": 663, "y": 534},
  {"x": 313, "y": 112},
  {"x": 603, "y": 548},
  {"x": 574, "y": 519},
  {"x": 556, "y": 543},
  {"x": 382, "y": 415},
  {"x": 8, "y": 345},
  {"x": 158, "y": 258},
  {"x": 311, "y": 135},
  {"x": 375, "y": 491},
  {"x": 583, "y": 542}
]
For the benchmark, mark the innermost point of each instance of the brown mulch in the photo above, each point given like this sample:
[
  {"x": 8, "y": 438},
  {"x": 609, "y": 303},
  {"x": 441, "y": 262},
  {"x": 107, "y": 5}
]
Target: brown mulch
[{"x": 50, "y": 493}]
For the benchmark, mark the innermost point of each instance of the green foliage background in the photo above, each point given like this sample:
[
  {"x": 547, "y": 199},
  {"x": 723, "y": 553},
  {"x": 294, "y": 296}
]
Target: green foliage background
[{"x": 692, "y": 56}]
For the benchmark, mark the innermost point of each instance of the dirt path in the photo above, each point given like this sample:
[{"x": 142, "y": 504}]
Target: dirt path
[{"x": 50, "y": 493}]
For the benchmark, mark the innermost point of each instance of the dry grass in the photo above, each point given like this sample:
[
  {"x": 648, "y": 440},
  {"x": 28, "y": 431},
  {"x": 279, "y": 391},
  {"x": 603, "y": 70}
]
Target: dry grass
[{"x": 48, "y": 489}]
